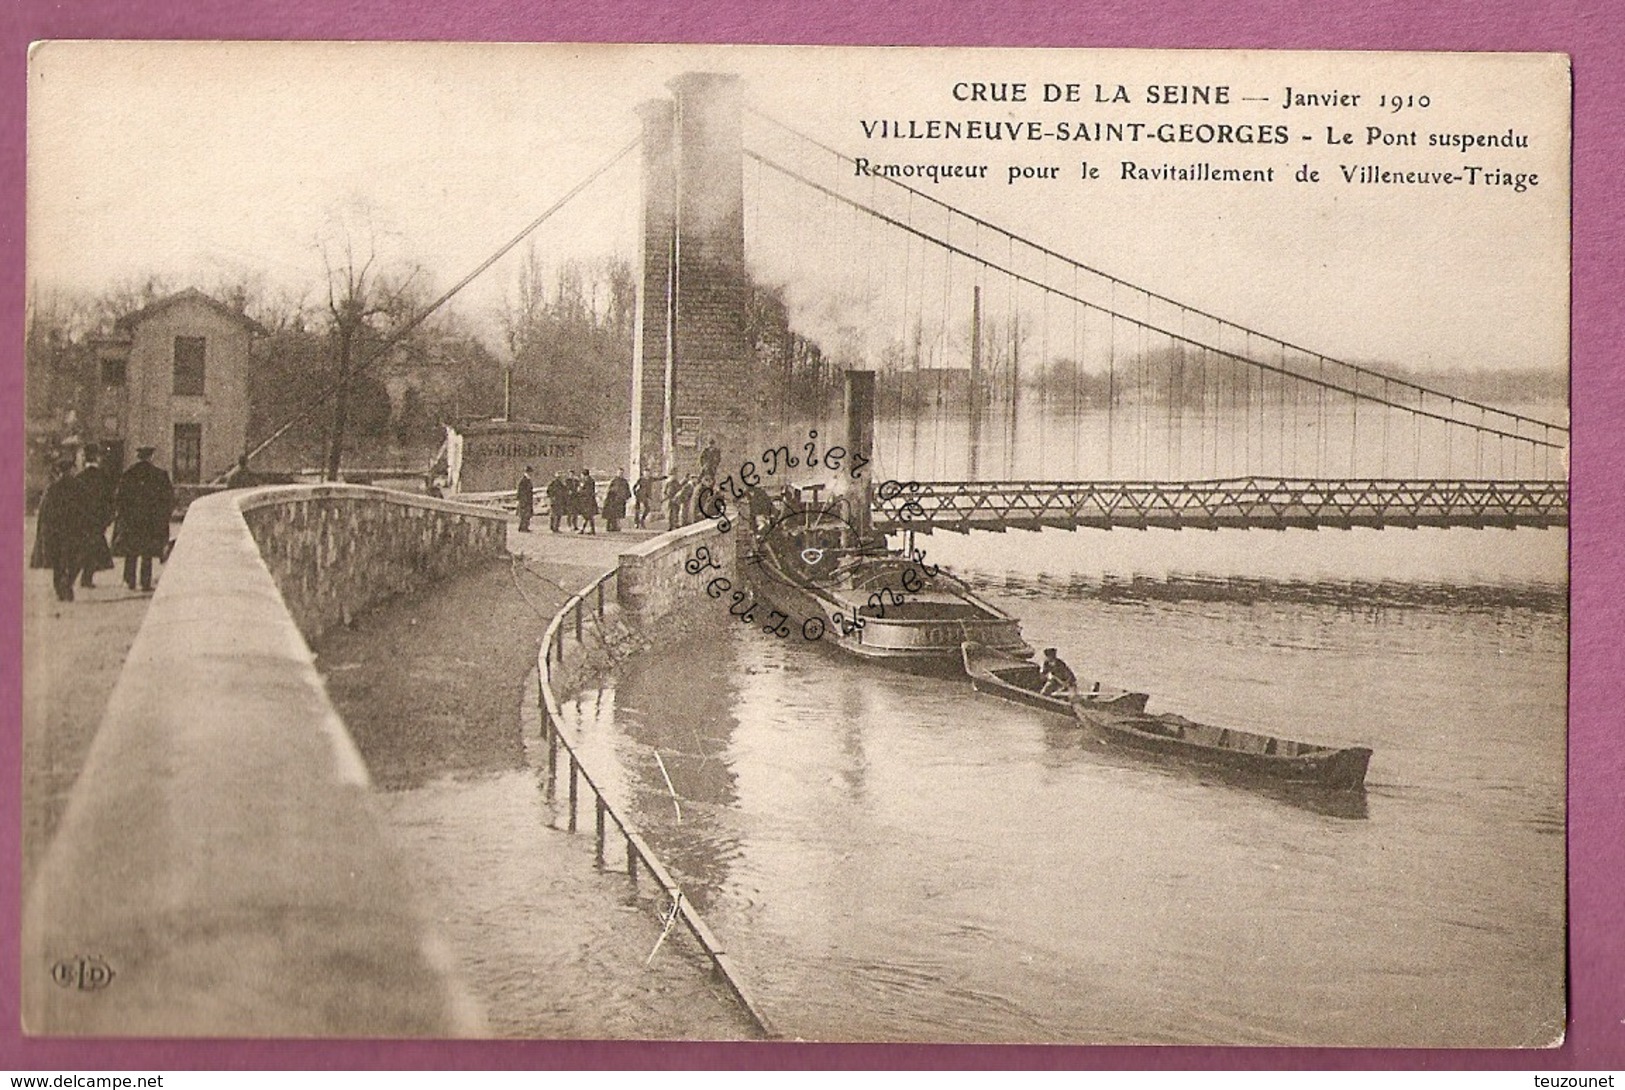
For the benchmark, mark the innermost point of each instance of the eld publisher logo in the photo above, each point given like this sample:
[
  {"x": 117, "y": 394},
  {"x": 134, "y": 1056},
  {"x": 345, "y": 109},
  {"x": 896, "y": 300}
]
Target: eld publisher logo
[{"x": 85, "y": 974}]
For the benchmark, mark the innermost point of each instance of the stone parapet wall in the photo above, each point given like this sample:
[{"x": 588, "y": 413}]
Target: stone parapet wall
[
  {"x": 335, "y": 550},
  {"x": 221, "y": 868},
  {"x": 653, "y": 584}
]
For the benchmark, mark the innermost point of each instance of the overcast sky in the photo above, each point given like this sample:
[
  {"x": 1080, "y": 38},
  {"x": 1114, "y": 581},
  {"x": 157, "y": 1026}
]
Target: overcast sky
[{"x": 201, "y": 161}]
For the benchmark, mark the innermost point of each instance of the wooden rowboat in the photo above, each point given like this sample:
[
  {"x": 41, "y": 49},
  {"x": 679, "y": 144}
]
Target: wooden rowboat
[
  {"x": 1237, "y": 751},
  {"x": 1016, "y": 679},
  {"x": 1119, "y": 717}
]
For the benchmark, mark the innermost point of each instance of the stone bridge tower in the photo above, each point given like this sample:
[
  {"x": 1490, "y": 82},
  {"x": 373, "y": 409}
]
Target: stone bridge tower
[{"x": 692, "y": 374}]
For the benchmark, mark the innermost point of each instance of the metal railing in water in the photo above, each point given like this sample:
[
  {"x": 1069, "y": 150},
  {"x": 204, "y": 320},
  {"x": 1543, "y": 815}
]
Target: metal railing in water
[{"x": 595, "y": 599}]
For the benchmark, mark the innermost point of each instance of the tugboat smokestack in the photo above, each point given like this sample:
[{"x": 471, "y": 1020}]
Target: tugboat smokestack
[{"x": 860, "y": 438}]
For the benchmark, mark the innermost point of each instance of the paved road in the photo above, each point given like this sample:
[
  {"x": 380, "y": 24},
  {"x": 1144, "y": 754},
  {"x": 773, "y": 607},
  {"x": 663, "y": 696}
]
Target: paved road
[
  {"x": 72, "y": 654},
  {"x": 594, "y": 554}
]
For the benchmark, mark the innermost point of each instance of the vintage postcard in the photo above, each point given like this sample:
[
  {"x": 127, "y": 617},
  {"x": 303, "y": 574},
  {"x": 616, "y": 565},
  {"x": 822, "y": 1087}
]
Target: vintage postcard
[{"x": 829, "y": 544}]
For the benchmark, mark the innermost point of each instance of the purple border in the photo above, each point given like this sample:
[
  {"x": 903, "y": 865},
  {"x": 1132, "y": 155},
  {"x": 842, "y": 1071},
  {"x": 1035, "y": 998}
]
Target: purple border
[{"x": 1589, "y": 30}]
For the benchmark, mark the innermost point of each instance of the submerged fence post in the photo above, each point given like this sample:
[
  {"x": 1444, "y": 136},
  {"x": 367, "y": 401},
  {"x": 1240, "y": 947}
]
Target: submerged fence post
[
  {"x": 600, "y": 830},
  {"x": 552, "y": 758},
  {"x": 572, "y": 792},
  {"x": 604, "y": 814}
]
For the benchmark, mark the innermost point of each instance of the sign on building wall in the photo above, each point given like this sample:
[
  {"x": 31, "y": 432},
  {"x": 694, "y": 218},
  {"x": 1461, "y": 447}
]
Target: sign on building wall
[{"x": 494, "y": 453}]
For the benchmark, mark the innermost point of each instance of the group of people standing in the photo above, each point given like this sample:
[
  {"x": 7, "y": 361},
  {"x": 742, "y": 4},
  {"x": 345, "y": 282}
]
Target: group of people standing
[
  {"x": 572, "y": 501},
  {"x": 686, "y": 498},
  {"x": 80, "y": 505},
  {"x": 693, "y": 497}
]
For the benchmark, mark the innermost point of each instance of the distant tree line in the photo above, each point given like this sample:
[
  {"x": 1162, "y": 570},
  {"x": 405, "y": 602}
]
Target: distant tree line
[
  {"x": 565, "y": 357},
  {"x": 794, "y": 379},
  {"x": 569, "y": 337},
  {"x": 569, "y": 347},
  {"x": 926, "y": 372}
]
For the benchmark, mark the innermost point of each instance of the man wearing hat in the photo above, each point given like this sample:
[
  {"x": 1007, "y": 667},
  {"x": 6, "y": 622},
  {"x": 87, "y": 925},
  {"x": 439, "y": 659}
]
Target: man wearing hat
[
  {"x": 97, "y": 495},
  {"x": 525, "y": 496},
  {"x": 1057, "y": 675},
  {"x": 558, "y": 500},
  {"x": 59, "y": 537},
  {"x": 142, "y": 506}
]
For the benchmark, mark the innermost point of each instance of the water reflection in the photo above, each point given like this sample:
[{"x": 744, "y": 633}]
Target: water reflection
[
  {"x": 1354, "y": 593},
  {"x": 1056, "y": 439},
  {"x": 683, "y": 709},
  {"x": 668, "y": 728},
  {"x": 895, "y": 857}
]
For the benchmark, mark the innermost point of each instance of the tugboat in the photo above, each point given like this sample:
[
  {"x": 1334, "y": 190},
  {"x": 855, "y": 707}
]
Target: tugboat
[{"x": 842, "y": 583}]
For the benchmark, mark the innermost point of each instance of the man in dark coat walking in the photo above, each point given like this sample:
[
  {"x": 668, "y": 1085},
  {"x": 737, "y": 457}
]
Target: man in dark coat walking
[
  {"x": 572, "y": 501},
  {"x": 526, "y": 495},
  {"x": 558, "y": 498},
  {"x": 587, "y": 503},
  {"x": 643, "y": 496},
  {"x": 142, "y": 504},
  {"x": 97, "y": 495},
  {"x": 60, "y": 534},
  {"x": 615, "y": 498}
]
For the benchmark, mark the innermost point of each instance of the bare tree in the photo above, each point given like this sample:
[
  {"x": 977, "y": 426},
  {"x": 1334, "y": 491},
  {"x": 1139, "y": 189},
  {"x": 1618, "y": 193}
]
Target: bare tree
[
  {"x": 278, "y": 308},
  {"x": 367, "y": 299},
  {"x": 522, "y": 317},
  {"x": 568, "y": 329},
  {"x": 126, "y": 297}
]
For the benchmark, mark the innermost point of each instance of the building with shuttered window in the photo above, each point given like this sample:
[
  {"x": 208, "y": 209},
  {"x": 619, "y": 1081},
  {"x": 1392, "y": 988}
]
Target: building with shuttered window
[{"x": 175, "y": 377}]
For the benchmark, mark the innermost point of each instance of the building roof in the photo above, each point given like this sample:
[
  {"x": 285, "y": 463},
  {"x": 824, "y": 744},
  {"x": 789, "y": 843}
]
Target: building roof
[{"x": 135, "y": 318}]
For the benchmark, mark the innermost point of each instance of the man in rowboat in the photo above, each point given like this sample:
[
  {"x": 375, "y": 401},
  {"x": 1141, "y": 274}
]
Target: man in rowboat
[{"x": 1057, "y": 676}]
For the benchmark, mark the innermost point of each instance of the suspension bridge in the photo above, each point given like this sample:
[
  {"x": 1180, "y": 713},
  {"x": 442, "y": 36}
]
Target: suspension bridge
[
  {"x": 1016, "y": 386},
  {"x": 1022, "y": 388}
]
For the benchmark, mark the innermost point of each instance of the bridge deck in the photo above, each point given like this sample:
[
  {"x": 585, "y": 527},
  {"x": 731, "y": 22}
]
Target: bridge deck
[{"x": 1260, "y": 503}]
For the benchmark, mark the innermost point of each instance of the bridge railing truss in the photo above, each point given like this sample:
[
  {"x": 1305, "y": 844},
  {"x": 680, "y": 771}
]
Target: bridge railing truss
[{"x": 1273, "y": 503}]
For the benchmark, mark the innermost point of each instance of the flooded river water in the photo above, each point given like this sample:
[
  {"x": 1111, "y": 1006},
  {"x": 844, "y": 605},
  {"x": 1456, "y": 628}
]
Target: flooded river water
[{"x": 891, "y": 857}]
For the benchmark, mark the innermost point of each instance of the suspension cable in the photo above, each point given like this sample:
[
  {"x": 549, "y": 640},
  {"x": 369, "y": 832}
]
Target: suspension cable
[
  {"x": 1146, "y": 326},
  {"x": 1039, "y": 248},
  {"x": 401, "y": 333}
]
